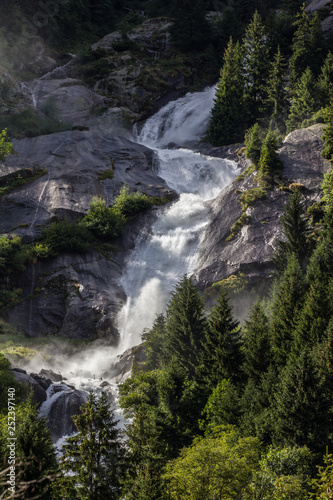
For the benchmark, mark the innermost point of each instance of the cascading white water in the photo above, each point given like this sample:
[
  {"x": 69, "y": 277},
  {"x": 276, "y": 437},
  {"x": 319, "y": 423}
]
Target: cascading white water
[
  {"x": 179, "y": 121},
  {"x": 161, "y": 258}
]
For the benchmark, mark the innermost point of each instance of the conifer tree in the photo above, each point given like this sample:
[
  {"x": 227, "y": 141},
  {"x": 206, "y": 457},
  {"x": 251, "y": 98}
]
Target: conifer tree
[
  {"x": 228, "y": 118},
  {"x": 305, "y": 100},
  {"x": 295, "y": 229},
  {"x": 315, "y": 313},
  {"x": 255, "y": 66},
  {"x": 185, "y": 326},
  {"x": 270, "y": 163},
  {"x": 190, "y": 30},
  {"x": 287, "y": 300},
  {"x": 93, "y": 458},
  {"x": 222, "y": 357},
  {"x": 328, "y": 140},
  {"x": 276, "y": 93},
  {"x": 256, "y": 344},
  {"x": 325, "y": 81},
  {"x": 303, "y": 407},
  {"x": 307, "y": 46},
  {"x": 154, "y": 342},
  {"x": 253, "y": 143}
]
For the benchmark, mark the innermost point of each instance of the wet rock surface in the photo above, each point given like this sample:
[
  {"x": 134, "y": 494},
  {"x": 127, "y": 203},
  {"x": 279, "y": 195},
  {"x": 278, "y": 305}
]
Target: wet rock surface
[{"x": 251, "y": 250}]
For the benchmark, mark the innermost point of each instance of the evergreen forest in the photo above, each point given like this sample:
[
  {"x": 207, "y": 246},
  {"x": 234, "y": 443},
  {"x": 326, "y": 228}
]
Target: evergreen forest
[{"x": 219, "y": 409}]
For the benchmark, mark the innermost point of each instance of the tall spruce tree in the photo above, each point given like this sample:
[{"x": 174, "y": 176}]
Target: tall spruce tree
[
  {"x": 307, "y": 46},
  {"x": 253, "y": 142},
  {"x": 185, "y": 326},
  {"x": 255, "y": 66},
  {"x": 154, "y": 343},
  {"x": 305, "y": 101},
  {"x": 295, "y": 230},
  {"x": 94, "y": 457},
  {"x": 256, "y": 344},
  {"x": 270, "y": 163},
  {"x": 303, "y": 406},
  {"x": 287, "y": 301},
  {"x": 325, "y": 81},
  {"x": 222, "y": 357},
  {"x": 276, "y": 103},
  {"x": 228, "y": 118}
]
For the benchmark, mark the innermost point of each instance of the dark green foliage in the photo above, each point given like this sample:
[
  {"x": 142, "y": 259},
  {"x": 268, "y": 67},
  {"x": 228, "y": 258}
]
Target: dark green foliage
[
  {"x": 307, "y": 47},
  {"x": 295, "y": 230},
  {"x": 190, "y": 31},
  {"x": 34, "y": 450},
  {"x": 303, "y": 405},
  {"x": 255, "y": 66},
  {"x": 94, "y": 457},
  {"x": 305, "y": 101},
  {"x": 185, "y": 326},
  {"x": 6, "y": 147},
  {"x": 31, "y": 122},
  {"x": 102, "y": 221},
  {"x": 270, "y": 163},
  {"x": 66, "y": 236},
  {"x": 222, "y": 358},
  {"x": 328, "y": 139},
  {"x": 223, "y": 406},
  {"x": 131, "y": 204},
  {"x": 276, "y": 103},
  {"x": 325, "y": 81},
  {"x": 253, "y": 142},
  {"x": 287, "y": 300},
  {"x": 256, "y": 344},
  {"x": 154, "y": 341},
  {"x": 292, "y": 6},
  {"x": 227, "y": 122}
]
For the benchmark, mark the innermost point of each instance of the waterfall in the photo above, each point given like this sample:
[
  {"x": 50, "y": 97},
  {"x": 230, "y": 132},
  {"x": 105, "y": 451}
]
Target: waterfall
[{"x": 161, "y": 258}]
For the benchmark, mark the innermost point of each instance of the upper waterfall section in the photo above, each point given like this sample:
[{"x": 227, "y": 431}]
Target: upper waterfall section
[{"x": 180, "y": 121}]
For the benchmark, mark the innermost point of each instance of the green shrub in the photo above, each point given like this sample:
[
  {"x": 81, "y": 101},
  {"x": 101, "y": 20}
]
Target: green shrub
[
  {"x": 13, "y": 255},
  {"x": 235, "y": 228},
  {"x": 6, "y": 147},
  {"x": 132, "y": 204},
  {"x": 102, "y": 221},
  {"x": 64, "y": 236},
  {"x": 249, "y": 197}
]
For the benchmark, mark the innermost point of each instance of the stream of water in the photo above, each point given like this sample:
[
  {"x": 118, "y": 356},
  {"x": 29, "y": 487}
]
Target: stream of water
[{"x": 169, "y": 250}]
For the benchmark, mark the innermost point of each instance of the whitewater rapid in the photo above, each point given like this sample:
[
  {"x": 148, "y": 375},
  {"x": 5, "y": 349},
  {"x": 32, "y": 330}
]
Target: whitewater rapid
[{"x": 161, "y": 258}]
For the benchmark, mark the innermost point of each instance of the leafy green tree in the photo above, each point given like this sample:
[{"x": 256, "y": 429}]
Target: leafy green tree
[
  {"x": 256, "y": 344},
  {"x": 270, "y": 163},
  {"x": 287, "y": 300},
  {"x": 220, "y": 465},
  {"x": 283, "y": 474},
  {"x": 221, "y": 357},
  {"x": 276, "y": 102},
  {"x": 305, "y": 100},
  {"x": 227, "y": 122},
  {"x": 323, "y": 483},
  {"x": 6, "y": 147},
  {"x": 295, "y": 230},
  {"x": 253, "y": 142},
  {"x": 255, "y": 66},
  {"x": 66, "y": 236},
  {"x": 93, "y": 458},
  {"x": 185, "y": 326},
  {"x": 102, "y": 221},
  {"x": 131, "y": 204}
]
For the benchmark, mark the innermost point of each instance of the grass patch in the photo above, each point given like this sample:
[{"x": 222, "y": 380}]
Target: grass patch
[
  {"x": 250, "y": 169},
  {"x": 235, "y": 228},
  {"x": 21, "y": 178},
  {"x": 106, "y": 174},
  {"x": 251, "y": 196}
]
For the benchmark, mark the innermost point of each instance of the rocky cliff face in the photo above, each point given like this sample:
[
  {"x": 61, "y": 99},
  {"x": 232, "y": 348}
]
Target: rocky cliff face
[{"x": 252, "y": 248}]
